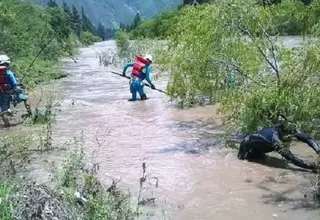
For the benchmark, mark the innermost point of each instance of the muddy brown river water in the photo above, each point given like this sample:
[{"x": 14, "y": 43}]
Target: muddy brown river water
[{"x": 198, "y": 178}]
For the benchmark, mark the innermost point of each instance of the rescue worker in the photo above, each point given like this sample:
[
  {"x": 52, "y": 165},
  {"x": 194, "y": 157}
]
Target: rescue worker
[
  {"x": 141, "y": 71},
  {"x": 277, "y": 138},
  {"x": 9, "y": 90},
  {"x": 19, "y": 96}
]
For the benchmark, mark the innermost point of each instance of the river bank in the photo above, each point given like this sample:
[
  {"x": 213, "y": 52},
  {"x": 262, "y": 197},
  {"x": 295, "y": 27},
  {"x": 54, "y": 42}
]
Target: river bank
[
  {"x": 42, "y": 180},
  {"x": 198, "y": 178},
  {"x": 194, "y": 176}
]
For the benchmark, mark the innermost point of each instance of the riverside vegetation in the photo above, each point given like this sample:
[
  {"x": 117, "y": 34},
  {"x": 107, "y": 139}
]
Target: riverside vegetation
[
  {"x": 202, "y": 44},
  {"x": 36, "y": 38},
  {"x": 232, "y": 35}
]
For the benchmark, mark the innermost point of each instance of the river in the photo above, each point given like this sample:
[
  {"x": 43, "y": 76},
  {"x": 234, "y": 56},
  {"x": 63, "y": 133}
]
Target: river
[{"x": 198, "y": 178}]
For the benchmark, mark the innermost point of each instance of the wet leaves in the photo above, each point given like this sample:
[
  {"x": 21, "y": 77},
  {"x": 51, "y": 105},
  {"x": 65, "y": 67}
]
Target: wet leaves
[{"x": 204, "y": 49}]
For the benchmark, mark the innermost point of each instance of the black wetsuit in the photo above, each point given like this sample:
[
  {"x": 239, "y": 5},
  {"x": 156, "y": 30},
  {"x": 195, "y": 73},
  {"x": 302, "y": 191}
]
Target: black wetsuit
[{"x": 269, "y": 139}]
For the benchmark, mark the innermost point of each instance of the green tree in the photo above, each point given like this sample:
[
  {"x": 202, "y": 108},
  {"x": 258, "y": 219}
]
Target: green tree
[
  {"x": 52, "y": 3},
  {"x": 87, "y": 38},
  {"x": 159, "y": 27},
  {"x": 211, "y": 41},
  {"x": 122, "y": 42},
  {"x": 110, "y": 33},
  {"x": 36, "y": 38},
  {"x": 66, "y": 9},
  {"x": 136, "y": 21},
  {"x": 101, "y": 31},
  {"x": 76, "y": 21},
  {"x": 60, "y": 23},
  {"x": 86, "y": 24}
]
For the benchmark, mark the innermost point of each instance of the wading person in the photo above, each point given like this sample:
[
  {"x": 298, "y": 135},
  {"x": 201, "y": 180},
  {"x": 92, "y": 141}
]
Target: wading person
[
  {"x": 277, "y": 138},
  {"x": 141, "y": 71}
]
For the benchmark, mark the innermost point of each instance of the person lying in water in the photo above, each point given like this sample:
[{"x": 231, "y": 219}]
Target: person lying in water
[{"x": 277, "y": 138}]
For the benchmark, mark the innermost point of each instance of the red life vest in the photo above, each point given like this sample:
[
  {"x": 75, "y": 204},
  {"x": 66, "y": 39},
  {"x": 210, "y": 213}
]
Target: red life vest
[
  {"x": 138, "y": 65},
  {"x": 4, "y": 87}
]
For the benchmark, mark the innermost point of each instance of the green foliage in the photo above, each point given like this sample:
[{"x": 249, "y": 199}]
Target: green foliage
[
  {"x": 291, "y": 17},
  {"x": 72, "y": 168},
  {"x": 76, "y": 175},
  {"x": 36, "y": 38},
  {"x": 75, "y": 21},
  {"x": 211, "y": 41},
  {"x": 86, "y": 24},
  {"x": 128, "y": 27},
  {"x": 19, "y": 199},
  {"x": 6, "y": 191},
  {"x": 190, "y": 58},
  {"x": 87, "y": 38},
  {"x": 112, "y": 12},
  {"x": 159, "y": 27},
  {"x": 101, "y": 31},
  {"x": 294, "y": 18},
  {"x": 44, "y": 116},
  {"x": 136, "y": 20},
  {"x": 110, "y": 205},
  {"x": 122, "y": 42}
]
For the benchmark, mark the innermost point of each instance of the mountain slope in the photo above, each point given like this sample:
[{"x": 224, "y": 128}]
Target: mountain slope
[{"x": 111, "y": 12}]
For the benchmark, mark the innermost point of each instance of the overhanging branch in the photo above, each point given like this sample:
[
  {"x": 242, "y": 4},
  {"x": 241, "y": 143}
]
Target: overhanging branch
[
  {"x": 273, "y": 49},
  {"x": 246, "y": 31},
  {"x": 260, "y": 50},
  {"x": 238, "y": 69}
]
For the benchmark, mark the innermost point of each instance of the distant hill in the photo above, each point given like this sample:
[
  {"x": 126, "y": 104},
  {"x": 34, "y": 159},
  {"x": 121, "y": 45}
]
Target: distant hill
[{"x": 111, "y": 12}]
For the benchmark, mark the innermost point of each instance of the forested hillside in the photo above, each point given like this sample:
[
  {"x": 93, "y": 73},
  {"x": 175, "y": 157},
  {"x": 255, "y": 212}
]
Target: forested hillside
[
  {"x": 290, "y": 18},
  {"x": 205, "y": 43},
  {"x": 110, "y": 13},
  {"x": 36, "y": 37}
]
